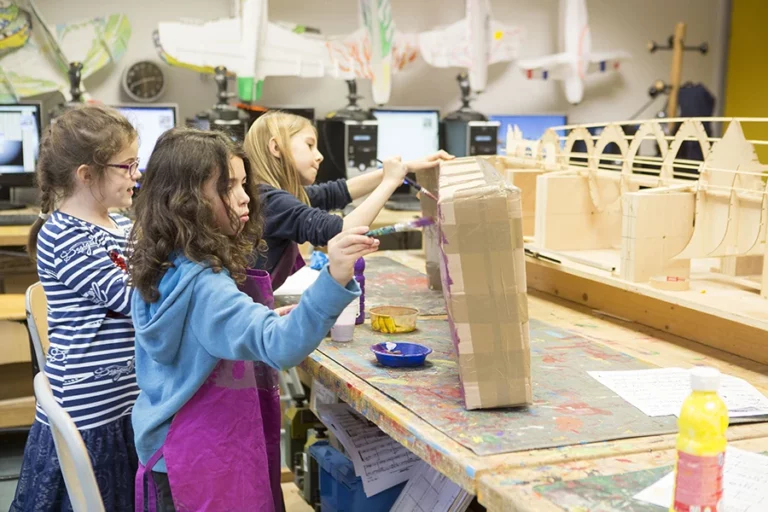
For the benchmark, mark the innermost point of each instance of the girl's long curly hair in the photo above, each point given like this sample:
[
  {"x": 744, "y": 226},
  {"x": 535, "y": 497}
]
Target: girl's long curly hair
[{"x": 173, "y": 215}]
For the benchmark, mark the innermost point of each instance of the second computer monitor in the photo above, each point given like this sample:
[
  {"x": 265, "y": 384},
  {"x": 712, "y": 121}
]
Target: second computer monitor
[
  {"x": 409, "y": 133},
  {"x": 19, "y": 143},
  {"x": 532, "y": 126},
  {"x": 151, "y": 121}
]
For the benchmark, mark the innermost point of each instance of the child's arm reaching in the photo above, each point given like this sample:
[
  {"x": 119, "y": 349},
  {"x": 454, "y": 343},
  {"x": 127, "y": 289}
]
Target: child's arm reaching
[
  {"x": 393, "y": 173},
  {"x": 230, "y": 326},
  {"x": 362, "y": 185}
]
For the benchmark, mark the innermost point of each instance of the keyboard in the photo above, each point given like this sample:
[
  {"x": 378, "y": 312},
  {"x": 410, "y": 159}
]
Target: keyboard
[{"x": 18, "y": 219}]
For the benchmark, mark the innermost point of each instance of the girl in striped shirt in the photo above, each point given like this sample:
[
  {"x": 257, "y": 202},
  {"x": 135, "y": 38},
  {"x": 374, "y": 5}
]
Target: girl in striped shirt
[{"x": 88, "y": 165}]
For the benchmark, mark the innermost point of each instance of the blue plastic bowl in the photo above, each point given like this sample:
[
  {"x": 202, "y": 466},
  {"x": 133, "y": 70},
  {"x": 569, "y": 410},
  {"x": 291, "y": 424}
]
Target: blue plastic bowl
[{"x": 397, "y": 354}]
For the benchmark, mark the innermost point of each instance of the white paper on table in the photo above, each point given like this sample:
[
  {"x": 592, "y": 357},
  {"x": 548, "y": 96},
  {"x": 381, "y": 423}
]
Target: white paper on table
[
  {"x": 380, "y": 461},
  {"x": 745, "y": 484},
  {"x": 661, "y": 391},
  {"x": 297, "y": 283},
  {"x": 430, "y": 491}
]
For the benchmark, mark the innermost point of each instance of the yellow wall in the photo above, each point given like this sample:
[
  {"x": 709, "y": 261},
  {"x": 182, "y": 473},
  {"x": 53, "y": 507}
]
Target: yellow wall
[{"x": 746, "y": 86}]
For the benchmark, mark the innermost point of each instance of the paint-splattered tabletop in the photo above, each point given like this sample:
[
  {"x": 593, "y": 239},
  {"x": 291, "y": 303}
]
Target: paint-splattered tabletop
[
  {"x": 570, "y": 407},
  {"x": 389, "y": 283},
  {"x": 606, "y": 484}
]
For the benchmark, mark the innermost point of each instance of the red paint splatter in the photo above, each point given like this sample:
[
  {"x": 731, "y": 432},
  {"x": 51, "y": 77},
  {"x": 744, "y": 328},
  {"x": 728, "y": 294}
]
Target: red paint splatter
[
  {"x": 568, "y": 424},
  {"x": 581, "y": 409},
  {"x": 550, "y": 359}
]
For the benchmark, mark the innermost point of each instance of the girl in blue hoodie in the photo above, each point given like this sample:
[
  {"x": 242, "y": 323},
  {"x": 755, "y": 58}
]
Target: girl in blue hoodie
[{"x": 207, "y": 424}]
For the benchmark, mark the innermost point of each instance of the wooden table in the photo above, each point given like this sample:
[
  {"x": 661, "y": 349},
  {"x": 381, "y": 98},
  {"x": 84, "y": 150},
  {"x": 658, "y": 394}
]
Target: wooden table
[
  {"x": 487, "y": 476},
  {"x": 514, "y": 490},
  {"x": 15, "y": 235}
]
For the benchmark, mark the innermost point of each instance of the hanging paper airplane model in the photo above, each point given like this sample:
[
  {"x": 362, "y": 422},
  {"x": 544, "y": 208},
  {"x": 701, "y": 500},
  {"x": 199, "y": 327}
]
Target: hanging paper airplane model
[
  {"x": 472, "y": 43},
  {"x": 35, "y": 58},
  {"x": 374, "y": 51},
  {"x": 577, "y": 59},
  {"x": 252, "y": 48}
]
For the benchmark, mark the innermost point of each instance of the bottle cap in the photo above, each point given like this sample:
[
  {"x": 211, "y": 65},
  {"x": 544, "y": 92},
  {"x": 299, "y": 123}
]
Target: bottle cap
[
  {"x": 359, "y": 266},
  {"x": 704, "y": 378}
]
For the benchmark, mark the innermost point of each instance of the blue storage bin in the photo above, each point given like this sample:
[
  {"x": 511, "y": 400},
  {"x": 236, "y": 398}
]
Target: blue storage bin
[{"x": 341, "y": 490}]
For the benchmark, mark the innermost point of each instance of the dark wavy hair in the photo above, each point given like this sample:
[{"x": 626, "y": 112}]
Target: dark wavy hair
[{"x": 173, "y": 215}]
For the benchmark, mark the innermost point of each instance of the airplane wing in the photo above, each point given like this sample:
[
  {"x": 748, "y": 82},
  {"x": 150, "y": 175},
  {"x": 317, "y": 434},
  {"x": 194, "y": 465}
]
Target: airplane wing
[
  {"x": 544, "y": 68},
  {"x": 606, "y": 61},
  {"x": 40, "y": 64},
  {"x": 285, "y": 53},
  {"x": 446, "y": 47},
  {"x": 505, "y": 43},
  {"x": 350, "y": 56},
  {"x": 449, "y": 46},
  {"x": 201, "y": 47}
]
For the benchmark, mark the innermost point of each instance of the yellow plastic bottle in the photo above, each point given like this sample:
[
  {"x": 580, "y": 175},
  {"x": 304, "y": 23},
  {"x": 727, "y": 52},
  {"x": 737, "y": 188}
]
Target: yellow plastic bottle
[{"x": 701, "y": 445}]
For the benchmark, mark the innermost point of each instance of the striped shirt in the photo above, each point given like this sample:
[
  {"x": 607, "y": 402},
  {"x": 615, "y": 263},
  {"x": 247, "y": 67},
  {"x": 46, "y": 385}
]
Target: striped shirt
[{"x": 90, "y": 361}]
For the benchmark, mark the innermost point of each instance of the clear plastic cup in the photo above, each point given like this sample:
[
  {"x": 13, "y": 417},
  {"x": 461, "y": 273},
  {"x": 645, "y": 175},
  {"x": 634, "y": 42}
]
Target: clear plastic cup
[{"x": 344, "y": 328}]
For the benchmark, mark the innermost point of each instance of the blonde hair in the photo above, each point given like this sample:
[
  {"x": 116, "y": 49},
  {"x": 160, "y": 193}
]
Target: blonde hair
[{"x": 267, "y": 168}]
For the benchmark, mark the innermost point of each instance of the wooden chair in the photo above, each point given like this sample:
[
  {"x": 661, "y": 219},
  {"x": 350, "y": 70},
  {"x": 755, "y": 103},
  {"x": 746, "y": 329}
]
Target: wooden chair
[
  {"x": 37, "y": 322},
  {"x": 73, "y": 456}
]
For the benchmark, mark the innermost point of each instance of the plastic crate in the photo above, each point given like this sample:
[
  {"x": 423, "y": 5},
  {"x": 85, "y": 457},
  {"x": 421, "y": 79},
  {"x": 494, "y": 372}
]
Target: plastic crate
[{"x": 341, "y": 490}]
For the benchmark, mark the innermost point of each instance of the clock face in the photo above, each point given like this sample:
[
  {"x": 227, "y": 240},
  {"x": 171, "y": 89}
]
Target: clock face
[{"x": 144, "y": 81}]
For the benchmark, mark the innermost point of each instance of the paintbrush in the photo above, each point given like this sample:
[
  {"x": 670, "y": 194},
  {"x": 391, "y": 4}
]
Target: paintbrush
[
  {"x": 402, "y": 226},
  {"x": 415, "y": 185}
]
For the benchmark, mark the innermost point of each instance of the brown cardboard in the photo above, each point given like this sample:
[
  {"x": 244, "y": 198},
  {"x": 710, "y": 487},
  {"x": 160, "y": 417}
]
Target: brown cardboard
[
  {"x": 429, "y": 180},
  {"x": 483, "y": 273}
]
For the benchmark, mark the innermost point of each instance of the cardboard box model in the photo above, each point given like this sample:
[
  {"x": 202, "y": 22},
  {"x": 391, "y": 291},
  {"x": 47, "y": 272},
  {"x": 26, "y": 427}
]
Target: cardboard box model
[{"x": 482, "y": 266}]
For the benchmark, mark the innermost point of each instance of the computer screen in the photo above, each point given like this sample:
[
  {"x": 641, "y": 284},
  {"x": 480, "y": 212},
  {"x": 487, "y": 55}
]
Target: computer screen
[
  {"x": 19, "y": 142},
  {"x": 150, "y": 121},
  {"x": 532, "y": 126},
  {"x": 410, "y": 134}
]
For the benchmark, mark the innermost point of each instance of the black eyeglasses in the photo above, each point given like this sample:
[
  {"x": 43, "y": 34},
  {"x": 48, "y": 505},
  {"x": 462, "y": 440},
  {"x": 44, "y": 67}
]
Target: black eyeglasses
[{"x": 131, "y": 167}]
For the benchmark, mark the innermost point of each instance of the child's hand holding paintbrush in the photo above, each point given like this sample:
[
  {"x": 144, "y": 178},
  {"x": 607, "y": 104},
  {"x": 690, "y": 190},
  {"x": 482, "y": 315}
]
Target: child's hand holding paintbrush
[
  {"x": 415, "y": 185},
  {"x": 402, "y": 226}
]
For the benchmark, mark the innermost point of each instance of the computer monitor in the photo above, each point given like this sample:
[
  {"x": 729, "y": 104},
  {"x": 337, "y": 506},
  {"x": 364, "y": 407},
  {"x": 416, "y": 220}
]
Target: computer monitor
[
  {"x": 409, "y": 133},
  {"x": 20, "y": 130},
  {"x": 151, "y": 121},
  {"x": 532, "y": 126}
]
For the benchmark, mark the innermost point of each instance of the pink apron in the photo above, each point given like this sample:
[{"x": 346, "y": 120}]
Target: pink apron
[
  {"x": 290, "y": 262},
  {"x": 222, "y": 451}
]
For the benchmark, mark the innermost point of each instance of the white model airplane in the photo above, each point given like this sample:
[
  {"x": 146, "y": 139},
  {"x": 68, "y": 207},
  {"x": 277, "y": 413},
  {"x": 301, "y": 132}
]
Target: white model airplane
[
  {"x": 577, "y": 58},
  {"x": 472, "y": 43},
  {"x": 252, "y": 48},
  {"x": 374, "y": 51},
  {"x": 35, "y": 57}
]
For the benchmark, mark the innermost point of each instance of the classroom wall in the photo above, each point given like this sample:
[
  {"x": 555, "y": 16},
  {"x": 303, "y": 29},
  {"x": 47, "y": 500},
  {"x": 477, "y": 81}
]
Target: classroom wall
[
  {"x": 615, "y": 24},
  {"x": 746, "y": 75}
]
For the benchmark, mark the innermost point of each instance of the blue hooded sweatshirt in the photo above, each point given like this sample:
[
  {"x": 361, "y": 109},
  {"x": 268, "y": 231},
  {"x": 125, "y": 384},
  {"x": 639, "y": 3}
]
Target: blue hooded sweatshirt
[{"x": 202, "y": 318}]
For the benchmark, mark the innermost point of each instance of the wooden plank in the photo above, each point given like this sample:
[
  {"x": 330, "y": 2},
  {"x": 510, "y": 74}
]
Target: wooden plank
[
  {"x": 13, "y": 235},
  {"x": 14, "y": 343},
  {"x": 650, "y": 307},
  {"x": 286, "y": 475},
  {"x": 12, "y": 306},
  {"x": 17, "y": 412}
]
